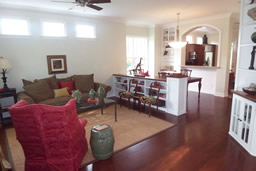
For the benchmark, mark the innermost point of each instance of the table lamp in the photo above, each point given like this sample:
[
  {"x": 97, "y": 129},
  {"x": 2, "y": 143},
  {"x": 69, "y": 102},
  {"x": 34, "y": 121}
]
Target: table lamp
[{"x": 4, "y": 65}]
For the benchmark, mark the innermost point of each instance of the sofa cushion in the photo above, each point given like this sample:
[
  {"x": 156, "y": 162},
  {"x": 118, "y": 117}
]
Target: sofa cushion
[
  {"x": 56, "y": 101},
  {"x": 68, "y": 84},
  {"x": 26, "y": 82},
  {"x": 62, "y": 92},
  {"x": 65, "y": 79},
  {"x": 84, "y": 83},
  {"x": 52, "y": 81},
  {"x": 39, "y": 91}
]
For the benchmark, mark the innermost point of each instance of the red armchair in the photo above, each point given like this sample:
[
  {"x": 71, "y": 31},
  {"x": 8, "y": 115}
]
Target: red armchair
[{"x": 52, "y": 137}]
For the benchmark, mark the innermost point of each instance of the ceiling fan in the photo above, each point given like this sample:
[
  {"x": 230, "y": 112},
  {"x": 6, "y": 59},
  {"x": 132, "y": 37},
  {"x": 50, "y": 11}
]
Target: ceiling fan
[{"x": 88, "y": 3}]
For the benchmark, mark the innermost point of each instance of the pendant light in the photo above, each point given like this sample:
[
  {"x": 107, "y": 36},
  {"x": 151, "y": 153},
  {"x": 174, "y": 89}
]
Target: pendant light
[{"x": 177, "y": 43}]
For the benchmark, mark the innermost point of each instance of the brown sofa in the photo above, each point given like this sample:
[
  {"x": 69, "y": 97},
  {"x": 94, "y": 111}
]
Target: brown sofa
[{"x": 43, "y": 91}]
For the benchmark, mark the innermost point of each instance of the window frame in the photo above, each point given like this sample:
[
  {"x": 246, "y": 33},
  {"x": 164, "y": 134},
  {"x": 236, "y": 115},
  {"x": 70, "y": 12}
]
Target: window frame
[
  {"x": 42, "y": 21},
  {"x": 85, "y": 24},
  {"x": 148, "y": 57},
  {"x": 16, "y": 35}
]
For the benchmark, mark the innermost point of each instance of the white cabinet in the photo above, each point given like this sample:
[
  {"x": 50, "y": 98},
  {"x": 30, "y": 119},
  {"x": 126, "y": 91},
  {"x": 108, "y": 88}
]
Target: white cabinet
[
  {"x": 243, "y": 123},
  {"x": 243, "y": 119},
  {"x": 245, "y": 76},
  {"x": 173, "y": 92}
]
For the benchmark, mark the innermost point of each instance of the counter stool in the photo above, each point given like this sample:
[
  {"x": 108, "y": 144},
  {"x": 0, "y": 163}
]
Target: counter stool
[
  {"x": 153, "y": 98},
  {"x": 128, "y": 94}
]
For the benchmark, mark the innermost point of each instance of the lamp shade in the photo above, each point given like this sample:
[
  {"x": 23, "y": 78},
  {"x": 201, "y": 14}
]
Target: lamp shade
[
  {"x": 4, "y": 64},
  {"x": 177, "y": 43}
]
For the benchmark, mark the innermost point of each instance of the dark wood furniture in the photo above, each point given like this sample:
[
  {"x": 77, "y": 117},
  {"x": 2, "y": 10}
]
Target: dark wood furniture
[
  {"x": 83, "y": 107},
  {"x": 245, "y": 95},
  {"x": 153, "y": 98},
  {"x": 11, "y": 92},
  {"x": 231, "y": 82},
  {"x": 196, "y": 79},
  {"x": 186, "y": 72},
  {"x": 133, "y": 83},
  {"x": 196, "y": 54}
]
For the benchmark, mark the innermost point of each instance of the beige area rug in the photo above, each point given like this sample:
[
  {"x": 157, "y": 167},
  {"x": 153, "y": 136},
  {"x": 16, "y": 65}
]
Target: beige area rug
[{"x": 131, "y": 127}]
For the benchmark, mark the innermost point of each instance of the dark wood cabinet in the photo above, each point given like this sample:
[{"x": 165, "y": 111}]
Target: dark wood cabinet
[
  {"x": 3, "y": 94},
  {"x": 201, "y": 54}
]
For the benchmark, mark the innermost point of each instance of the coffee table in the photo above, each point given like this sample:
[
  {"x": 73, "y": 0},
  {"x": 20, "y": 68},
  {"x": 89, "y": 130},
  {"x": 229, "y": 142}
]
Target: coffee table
[{"x": 84, "y": 106}]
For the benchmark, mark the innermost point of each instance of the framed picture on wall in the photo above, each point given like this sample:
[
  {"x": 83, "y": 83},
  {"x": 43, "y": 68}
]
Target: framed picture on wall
[{"x": 57, "y": 64}]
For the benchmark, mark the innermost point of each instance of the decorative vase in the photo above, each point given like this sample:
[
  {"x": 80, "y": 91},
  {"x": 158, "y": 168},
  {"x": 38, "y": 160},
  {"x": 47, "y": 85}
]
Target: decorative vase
[
  {"x": 92, "y": 94},
  {"x": 101, "y": 95},
  {"x": 102, "y": 141},
  {"x": 253, "y": 37},
  {"x": 76, "y": 94}
]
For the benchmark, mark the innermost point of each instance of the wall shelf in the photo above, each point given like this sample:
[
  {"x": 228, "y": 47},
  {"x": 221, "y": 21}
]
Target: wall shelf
[{"x": 243, "y": 114}]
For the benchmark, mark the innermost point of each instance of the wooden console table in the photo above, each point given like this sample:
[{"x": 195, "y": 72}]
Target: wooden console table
[{"x": 196, "y": 79}]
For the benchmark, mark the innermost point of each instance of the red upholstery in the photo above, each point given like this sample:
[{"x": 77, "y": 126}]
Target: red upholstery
[
  {"x": 69, "y": 84},
  {"x": 52, "y": 137}
]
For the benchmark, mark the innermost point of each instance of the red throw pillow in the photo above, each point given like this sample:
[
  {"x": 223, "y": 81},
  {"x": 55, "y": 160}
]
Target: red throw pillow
[{"x": 69, "y": 84}]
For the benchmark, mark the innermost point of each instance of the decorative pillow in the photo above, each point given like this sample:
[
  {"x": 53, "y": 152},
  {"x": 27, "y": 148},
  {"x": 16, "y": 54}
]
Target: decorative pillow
[
  {"x": 39, "y": 91},
  {"x": 26, "y": 82},
  {"x": 70, "y": 85},
  {"x": 52, "y": 81},
  {"x": 84, "y": 83},
  {"x": 62, "y": 92},
  {"x": 65, "y": 79}
]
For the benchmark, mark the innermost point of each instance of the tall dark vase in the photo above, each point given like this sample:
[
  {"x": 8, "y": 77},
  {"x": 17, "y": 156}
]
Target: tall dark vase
[{"x": 252, "y": 58}]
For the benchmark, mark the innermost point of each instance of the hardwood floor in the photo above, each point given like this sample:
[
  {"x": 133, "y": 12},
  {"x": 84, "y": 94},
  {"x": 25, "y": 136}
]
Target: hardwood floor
[{"x": 199, "y": 141}]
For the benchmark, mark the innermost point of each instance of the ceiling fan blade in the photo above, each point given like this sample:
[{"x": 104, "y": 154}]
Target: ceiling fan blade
[
  {"x": 98, "y": 1},
  {"x": 63, "y": 1},
  {"x": 94, "y": 7}
]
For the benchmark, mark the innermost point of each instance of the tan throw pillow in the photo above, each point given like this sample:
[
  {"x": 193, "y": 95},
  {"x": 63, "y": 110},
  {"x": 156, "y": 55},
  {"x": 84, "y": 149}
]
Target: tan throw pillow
[
  {"x": 84, "y": 83},
  {"x": 62, "y": 92},
  {"x": 26, "y": 82},
  {"x": 52, "y": 81},
  {"x": 39, "y": 91}
]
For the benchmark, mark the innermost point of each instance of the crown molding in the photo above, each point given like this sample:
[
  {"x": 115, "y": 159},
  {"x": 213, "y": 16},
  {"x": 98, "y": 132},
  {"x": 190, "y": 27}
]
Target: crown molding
[{"x": 202, "y": 19}]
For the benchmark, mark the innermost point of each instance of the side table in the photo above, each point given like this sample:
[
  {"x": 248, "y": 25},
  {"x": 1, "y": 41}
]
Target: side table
[{"x": 11, "y": 92}]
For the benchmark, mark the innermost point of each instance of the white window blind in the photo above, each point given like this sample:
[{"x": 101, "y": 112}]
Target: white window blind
[
  {"x": 85, "y": 31},
  {"x": 136, "y": 48},
  {"x": 54, "y": 29},
  {"x": 14, "y": 27}
]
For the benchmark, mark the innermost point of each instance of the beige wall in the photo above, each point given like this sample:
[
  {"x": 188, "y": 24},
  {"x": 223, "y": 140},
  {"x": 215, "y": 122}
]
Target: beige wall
[
  {"x": 221, "y": 73},
  {"x": 102, "y": 56}
]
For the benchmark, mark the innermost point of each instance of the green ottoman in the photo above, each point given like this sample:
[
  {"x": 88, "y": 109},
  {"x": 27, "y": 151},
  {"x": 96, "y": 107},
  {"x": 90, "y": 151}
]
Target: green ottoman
[{"x": 102, "y": 141}]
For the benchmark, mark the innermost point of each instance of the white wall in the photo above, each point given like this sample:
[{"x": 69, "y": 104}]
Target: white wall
[{"x": 102, "y": 56}]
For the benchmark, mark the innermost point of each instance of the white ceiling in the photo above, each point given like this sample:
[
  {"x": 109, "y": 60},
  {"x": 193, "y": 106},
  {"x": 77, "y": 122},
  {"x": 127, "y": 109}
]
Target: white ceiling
[{"x": 137, "y": 11}]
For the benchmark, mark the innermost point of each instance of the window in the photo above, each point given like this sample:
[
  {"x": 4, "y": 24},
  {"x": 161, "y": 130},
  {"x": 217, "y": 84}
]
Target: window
[
  {"x": 136, "y": 48},
  {"x": 199, "y": 40},
  {"x": 14, "y": 27},
  {"x": 54, "y": 29},
  {"x": 85, "y": 31},
  {"x": 189, "y": 39}
]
